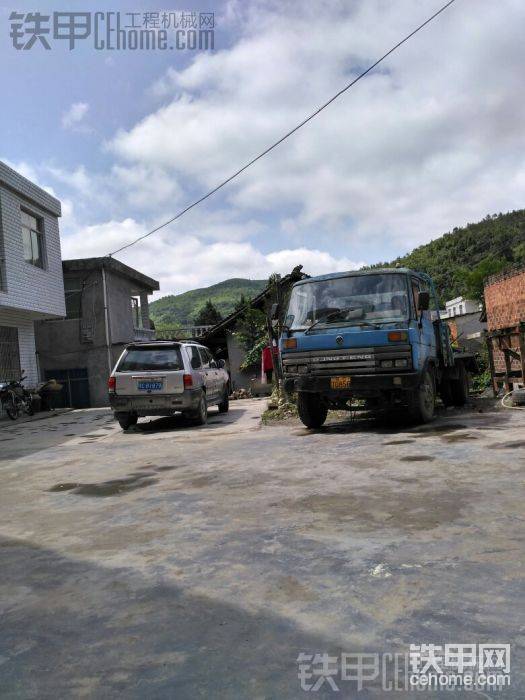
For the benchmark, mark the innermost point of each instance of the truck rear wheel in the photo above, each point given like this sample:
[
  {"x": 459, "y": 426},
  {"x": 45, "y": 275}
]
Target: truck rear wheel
[
  {"x": 459, "y": 387},
  {"x": 312, "y": 411},
  {"x": 422, "y": 409}
]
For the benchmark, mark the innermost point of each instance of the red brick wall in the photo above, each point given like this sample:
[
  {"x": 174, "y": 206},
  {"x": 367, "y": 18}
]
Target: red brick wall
[
  {"x": 505, "y": 305},
  {"x": 505, "y": 300}
]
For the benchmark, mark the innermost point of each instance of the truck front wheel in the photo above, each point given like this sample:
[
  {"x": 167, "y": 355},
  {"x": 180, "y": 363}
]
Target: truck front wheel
[
  {"x": 422, "y": 409},
  {"x": 312, "y": 411}
]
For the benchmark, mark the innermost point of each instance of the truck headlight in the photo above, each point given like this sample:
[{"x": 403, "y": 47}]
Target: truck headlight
[
  {"x": 387, "y": 363},
  {"x": 401, "y": 363}
]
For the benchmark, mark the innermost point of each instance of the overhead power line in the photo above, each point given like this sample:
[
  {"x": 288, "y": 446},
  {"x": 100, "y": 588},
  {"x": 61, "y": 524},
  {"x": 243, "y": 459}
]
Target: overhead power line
[{"x": 286, "y": 136}]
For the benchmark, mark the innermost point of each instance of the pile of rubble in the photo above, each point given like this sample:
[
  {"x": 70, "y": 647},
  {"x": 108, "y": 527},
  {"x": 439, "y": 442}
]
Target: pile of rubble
[{"x": 240, "y": 394}]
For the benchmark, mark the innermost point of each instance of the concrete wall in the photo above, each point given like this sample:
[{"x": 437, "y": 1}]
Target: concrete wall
[
  {"x": 62, "y": 344},
  {"x": 461, "y": 327},
  {"x": 24, "y": 286},
  {"x": 236, "y": 353}
]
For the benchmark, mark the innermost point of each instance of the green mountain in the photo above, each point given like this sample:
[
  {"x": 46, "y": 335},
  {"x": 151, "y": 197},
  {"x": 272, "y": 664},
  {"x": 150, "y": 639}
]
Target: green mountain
[
  {"x": 181, "y": 309},
  {"x": 457, "y": 259}
]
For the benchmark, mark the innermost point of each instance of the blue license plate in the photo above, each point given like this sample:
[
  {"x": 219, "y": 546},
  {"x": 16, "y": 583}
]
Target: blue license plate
[{"x": 150, "y": 386}]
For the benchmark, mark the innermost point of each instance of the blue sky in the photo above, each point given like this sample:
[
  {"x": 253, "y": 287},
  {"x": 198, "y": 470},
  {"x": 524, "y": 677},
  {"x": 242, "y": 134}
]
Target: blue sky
[{"x": 125, "y": 139}]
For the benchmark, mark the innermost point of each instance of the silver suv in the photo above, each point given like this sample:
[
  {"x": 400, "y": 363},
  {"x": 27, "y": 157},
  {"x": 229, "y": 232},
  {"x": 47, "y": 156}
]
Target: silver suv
[{"x": 164, "y": 377}]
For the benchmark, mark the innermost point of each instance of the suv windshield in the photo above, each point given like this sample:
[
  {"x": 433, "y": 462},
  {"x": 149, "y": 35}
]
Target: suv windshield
[
  {"x": 361, "y": 300},
  {"x": 151, "y": 359}
]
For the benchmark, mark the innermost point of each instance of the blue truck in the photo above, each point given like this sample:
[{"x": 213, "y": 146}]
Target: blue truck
[{"x": 374, "y": 335}]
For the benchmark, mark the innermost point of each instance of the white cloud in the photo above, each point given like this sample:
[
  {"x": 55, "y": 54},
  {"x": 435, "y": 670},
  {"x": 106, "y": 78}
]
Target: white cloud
[
  {"x": 72, "y": 118},
  {"x": 431, "y": 141},
  {"x": 185, "y": 262},
  {"x": 420, "y": 146}
]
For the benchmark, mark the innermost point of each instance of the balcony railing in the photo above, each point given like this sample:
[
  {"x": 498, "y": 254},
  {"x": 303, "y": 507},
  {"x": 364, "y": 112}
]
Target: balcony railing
[
  {"x": 144, "y": 334},
  {"x": 181, "y": 332}
]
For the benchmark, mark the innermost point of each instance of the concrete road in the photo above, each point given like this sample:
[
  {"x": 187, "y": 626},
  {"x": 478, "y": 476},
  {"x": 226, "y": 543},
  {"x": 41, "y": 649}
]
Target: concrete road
[{"x": 176, "y": 562}]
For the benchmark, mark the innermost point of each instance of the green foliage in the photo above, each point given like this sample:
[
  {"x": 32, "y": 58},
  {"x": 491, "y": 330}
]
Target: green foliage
[
  {"x": 483, "y": 379},
  {"x": 250, "y": 330},
  {"x": 250, "y": 327},
  {"x": 180, "y": 309},
  {"x": 473, "y": 279},
  {"x": 207, "y": 315},
  {"x": 500, "y": 237},
  {"x": 253, "y": 356}
]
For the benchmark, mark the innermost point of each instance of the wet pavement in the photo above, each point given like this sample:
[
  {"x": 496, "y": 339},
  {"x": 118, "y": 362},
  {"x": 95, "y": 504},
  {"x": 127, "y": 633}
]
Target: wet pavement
[{"x": 178, "y": 562}]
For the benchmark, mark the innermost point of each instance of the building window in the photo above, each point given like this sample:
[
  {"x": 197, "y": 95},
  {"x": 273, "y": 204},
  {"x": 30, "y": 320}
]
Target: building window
[
  {"x": 73, "y": 291},
  {"x": 461, "y": 308},
  {"x": 9, "y": 354},
  {"x": 32, "y": 239},
  {"x": 135, "y": 309}
]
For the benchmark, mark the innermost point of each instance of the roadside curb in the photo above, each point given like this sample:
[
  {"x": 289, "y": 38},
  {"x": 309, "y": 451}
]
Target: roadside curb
[{"x": 8, "y": 423}]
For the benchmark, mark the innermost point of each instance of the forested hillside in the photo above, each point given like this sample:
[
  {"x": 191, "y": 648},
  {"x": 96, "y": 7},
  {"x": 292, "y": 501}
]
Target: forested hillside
[
  {"x": 181, "y": 309},
  {"x": 459, "y": 260}
]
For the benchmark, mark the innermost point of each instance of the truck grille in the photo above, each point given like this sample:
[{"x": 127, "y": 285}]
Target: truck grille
[{"x": 347, "y": 361}]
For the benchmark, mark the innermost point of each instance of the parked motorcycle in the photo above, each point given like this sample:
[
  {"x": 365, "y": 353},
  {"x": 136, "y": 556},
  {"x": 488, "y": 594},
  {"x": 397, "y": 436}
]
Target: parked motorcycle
[{"x": 15, "y": 399}]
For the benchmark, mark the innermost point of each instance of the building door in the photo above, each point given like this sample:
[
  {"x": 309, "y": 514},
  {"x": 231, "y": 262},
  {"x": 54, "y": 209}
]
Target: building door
[
  {"x": 75, "y": 387},
  {"x": 9, "y": 354}
]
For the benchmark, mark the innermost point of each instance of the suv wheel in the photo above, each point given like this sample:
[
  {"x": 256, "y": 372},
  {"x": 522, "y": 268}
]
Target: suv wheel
[
  {"x": 225, "y": 403},
  {"x": 200, "y": 416},
  {"x": 126, "y": 420}
]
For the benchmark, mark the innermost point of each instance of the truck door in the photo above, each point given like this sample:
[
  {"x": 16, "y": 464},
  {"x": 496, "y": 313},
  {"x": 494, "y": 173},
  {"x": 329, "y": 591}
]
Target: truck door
[{"x": 426, "y": 343}]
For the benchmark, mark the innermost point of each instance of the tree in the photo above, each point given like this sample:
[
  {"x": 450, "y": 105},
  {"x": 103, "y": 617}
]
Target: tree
[
  {"x": 207, "y": 315},
  {"x": 473, "y": 279}
]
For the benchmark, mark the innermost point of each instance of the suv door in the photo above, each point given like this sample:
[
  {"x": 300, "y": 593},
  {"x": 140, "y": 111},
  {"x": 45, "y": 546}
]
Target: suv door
[{"x": 210, "y": 374}]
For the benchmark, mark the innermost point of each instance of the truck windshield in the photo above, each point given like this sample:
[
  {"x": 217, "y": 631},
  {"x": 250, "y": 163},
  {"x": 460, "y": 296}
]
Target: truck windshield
[{"x": 358, "y": 300}]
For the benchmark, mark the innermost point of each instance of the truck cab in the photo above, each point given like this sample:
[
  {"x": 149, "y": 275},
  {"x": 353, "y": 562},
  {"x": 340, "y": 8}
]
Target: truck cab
[{"x": 373, "y": 335}]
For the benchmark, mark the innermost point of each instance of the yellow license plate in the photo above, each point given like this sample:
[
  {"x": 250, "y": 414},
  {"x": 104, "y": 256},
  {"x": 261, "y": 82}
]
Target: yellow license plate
[{"x": 340, "y": 382}]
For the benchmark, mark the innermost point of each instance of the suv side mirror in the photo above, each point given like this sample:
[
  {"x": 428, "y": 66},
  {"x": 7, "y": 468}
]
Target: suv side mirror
[
  {"x": 423, "y": 301},
  {"x": 195, "y": 363},
  {"x": 213, "y": 364},
  {"x": 221, "y": 364}
]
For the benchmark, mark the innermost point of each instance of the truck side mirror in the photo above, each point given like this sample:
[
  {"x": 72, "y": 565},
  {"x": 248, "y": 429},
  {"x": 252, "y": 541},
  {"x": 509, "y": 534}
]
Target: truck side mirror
[
  {"x": 274, "y": 312},
  {"x": 423, "y": 301}
]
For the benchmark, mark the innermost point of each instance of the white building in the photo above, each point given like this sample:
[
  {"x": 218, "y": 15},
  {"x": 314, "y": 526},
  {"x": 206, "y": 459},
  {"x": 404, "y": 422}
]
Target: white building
[
  {"x": 460, "y": 306},
  {"x": 31, "y": 281}
]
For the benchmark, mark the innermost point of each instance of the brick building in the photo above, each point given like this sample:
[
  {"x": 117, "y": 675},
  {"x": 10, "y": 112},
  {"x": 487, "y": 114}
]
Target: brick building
[{"x": 505, "y": 308}]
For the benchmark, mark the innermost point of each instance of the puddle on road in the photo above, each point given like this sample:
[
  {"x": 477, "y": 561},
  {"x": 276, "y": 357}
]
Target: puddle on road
[
  {"x": 371, "y": 511},
  {"x": 398, "y": 442},
  {"x": 163, "y": 468},
  {"x": 458, "y": 438},
  {"x": 114, "y": 487},
  {"x": 202, "y": 481},
  {"x": 513, "y": 445},
  {"x": 417, "y": 458},
  {"x": 438, "y": 430}
]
